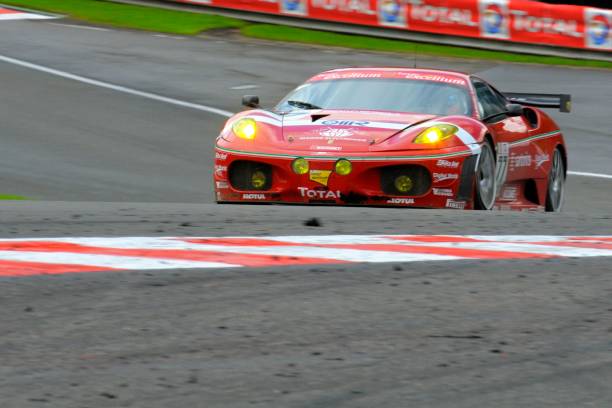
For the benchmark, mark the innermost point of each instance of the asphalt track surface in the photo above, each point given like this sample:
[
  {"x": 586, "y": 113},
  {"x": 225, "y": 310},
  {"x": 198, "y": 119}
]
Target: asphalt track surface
[{"x": 438, "y": 334}]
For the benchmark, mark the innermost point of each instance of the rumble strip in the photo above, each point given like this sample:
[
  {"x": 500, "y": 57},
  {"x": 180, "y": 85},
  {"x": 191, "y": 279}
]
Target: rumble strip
[{"x": 26, "y": 257}]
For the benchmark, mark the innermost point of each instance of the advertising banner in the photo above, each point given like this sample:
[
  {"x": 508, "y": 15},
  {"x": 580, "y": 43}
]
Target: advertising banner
[{"x": 521, "y": 21}]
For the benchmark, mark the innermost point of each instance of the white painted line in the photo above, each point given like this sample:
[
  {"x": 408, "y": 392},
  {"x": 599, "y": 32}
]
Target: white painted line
[
  {"x": 81, "y": 26},
  {"x": 241, "y": 87},
  {"x": 172, "y": 101},
  {"x": 586, "y": 174},
  {"x": 173, "y": 37},
  {"x": 114, "y": 87},
  {"x": 107, "y": 261}
]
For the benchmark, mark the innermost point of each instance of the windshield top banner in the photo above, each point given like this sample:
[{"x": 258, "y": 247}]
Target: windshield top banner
[{"x": 522, "y": 21}]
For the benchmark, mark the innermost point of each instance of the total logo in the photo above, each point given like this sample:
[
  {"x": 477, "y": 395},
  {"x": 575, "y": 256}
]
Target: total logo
[
  {"x": 597, "y": 25},
  {"x": 431, "y": 14},
  {"x": 346, "y": 6},
  {"x": 392, "y": 13},
  {"x": 398, "y": 200},
  {"x": 320, "y": 194},
  {"x": 494, "y": 18},
  {"x": 295, "y": 7}
]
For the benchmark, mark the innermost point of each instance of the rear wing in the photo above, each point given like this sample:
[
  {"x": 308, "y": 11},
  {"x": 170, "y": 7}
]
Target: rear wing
[{"x": 561, "y": 101}]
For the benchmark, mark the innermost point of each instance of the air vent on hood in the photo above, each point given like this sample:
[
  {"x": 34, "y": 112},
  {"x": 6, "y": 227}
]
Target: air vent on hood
[{"x": 316, "y": 117}]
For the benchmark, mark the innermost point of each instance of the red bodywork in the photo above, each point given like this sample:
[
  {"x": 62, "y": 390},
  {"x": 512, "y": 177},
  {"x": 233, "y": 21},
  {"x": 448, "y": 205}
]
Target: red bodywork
[{"x": 376, "y": 140}]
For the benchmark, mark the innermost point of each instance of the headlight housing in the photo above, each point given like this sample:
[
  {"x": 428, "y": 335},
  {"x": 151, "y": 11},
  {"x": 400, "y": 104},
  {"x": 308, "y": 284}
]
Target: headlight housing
[
  {"x": 435, "y": 134},
  {"x": 245, "y": 128}
]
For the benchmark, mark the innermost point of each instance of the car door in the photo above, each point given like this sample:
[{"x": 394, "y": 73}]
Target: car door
[{"x": 508, "y": 132}]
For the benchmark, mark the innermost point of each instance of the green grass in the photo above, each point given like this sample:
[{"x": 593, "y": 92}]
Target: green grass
[
  {"x": 186, "y": 23},
  {"x": 130, "y": 16},
  {"x": 299, "y": 35},
  {"x": 11, "y": 197}
]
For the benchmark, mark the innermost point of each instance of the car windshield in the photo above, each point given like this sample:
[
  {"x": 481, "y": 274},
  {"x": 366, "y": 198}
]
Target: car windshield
[{"x": 398, "y": 95}]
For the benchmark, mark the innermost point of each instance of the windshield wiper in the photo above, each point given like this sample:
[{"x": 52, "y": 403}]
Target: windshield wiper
[{"x": 303, "y": 105}]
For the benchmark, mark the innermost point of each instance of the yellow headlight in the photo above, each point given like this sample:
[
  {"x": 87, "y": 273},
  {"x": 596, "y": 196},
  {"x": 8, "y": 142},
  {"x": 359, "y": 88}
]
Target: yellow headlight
[
  {"x": 343, "y": 167},
  {"x": 436, "y": 133},
  {"x": 245, "y": 128},
  {"x": 403, "y": 184},
  {"x": 258, "y": 179},
  {"x": 300, "y": 166}
]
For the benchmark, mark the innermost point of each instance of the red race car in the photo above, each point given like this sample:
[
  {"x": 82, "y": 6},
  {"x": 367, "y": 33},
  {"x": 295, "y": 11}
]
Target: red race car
[{"x": 395, "y": 137}]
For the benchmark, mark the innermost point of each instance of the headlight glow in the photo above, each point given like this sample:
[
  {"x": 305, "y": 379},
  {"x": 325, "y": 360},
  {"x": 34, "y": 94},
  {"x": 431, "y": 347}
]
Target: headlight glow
[
  {"x": 245, "y": 128},
  {"x": 300, "y": 166},
  {"x": 403, "y": 184},
  {"x": 435, "y": 134},
  {"x": 343, "y": 167},
  {"x": 258, "y": 179}
]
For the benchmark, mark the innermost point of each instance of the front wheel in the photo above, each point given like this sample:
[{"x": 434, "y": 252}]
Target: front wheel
[
  {"x": 555, "y": 193},
  {"x": 486, "y": 189}
]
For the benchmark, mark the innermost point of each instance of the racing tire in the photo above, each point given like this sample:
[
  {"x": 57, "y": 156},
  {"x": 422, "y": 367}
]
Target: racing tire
[
  {"x": 555, "y": 192},
  {"x": 485, "y": 190}
]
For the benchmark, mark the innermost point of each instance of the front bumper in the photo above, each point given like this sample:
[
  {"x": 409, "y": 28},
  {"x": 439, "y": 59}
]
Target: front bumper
[{"x": 445, "y": 181}]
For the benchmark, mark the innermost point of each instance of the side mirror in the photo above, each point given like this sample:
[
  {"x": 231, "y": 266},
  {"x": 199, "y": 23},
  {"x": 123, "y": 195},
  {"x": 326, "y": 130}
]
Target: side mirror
[
  {"x": 514, "y": 109},
  {"x": 251, "y": 101}
]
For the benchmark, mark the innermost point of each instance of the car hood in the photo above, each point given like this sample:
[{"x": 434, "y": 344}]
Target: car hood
[{"x": 347, "y": 131}]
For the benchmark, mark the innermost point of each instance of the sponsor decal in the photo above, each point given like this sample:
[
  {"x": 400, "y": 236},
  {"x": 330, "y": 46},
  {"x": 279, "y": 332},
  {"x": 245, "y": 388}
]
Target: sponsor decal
[
  {"x": 540, "y": 159},
  {"x": 220, "y": 169},
  {"x": 345, "y": 123},
  {"x": 222, "y": 185},
  {"x": 436, "y": 78},
  {"x": 420, "y": 11},
  {"x": 444, "y": 176},
  {"x": 503, "y": 149},
  {"x": 597, "y": 27},
  {"x": 347, "y": 75},
  {"x": 548, "y": 25},
  {"x": 334, "y": 148},
  {"x": 494, "y": 18},
  {"x": 220, "y": 156},
  {"x": 251, "y": 196},
  {"x": 447, "y": 163},
  {"x": 398, "y": 200},
  {"x": 510, "y": 193},
  {"x": 522, "y": 160},
  {"x": 444, "y": 192},
  {"x": 457, "y": 205},
  {"x": 392, "y": 13},
  {"x": 320, "y": 194},
  {"x": 346, "y": 6},
  {"x": 335, "y": 132},
  {"x": 320, "y": 176},
  {"x": 296, "y": 7}
]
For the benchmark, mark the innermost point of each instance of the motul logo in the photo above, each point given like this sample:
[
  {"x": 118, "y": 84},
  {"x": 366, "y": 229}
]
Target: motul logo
[
  {"x": 253, "y": 196},
  {"x": 398, "y": 200}
]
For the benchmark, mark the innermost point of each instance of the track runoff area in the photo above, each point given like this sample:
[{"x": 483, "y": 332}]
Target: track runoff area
[{"x": 27, "y": 257}]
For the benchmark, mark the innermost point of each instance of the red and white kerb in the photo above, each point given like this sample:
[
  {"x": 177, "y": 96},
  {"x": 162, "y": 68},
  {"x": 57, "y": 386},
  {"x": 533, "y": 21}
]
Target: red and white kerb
[{"x": 25, "y": 257}]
